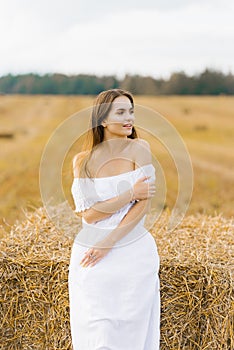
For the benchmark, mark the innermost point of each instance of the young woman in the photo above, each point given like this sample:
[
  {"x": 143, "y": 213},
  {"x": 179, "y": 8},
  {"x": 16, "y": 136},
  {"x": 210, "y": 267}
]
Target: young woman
[{"x": 113, "y": 273}]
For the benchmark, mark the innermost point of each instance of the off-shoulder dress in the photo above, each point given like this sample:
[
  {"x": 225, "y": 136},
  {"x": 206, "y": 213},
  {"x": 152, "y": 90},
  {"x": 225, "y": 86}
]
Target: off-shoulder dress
[{"x": 115, "y": 304}]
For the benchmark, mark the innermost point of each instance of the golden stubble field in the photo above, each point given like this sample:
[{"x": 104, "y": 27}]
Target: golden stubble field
[{"x": 206, "y": 125}]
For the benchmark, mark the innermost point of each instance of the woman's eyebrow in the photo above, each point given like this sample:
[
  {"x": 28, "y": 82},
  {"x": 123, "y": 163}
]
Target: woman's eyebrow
[{"x": 123, "y": 109}]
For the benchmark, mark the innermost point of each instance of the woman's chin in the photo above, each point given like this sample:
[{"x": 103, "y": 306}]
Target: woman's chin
[{"x": 127, "y": 131}]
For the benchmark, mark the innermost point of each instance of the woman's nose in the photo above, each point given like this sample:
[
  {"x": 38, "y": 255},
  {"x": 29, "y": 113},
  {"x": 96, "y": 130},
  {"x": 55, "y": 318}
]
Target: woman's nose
[{"x": 130, "y": 116}]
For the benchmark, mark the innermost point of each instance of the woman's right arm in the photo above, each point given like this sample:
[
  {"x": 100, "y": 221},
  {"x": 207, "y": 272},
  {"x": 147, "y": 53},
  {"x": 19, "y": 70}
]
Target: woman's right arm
[{"x": 104, "y": 209}]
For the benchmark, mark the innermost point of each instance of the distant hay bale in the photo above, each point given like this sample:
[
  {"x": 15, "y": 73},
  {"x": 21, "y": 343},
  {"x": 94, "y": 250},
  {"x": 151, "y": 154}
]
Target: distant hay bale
[
  {"x": 6, "y": 135},
  {"x": 196, "y": 278},
  {"x": 200, "y": 127}
]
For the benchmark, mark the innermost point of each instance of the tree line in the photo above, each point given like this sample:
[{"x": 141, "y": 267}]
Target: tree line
[{"x": 209, "y": 82}]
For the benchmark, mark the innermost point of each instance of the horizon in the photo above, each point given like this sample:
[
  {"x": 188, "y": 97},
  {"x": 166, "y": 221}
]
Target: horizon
[{"x": 197, "y": 74}]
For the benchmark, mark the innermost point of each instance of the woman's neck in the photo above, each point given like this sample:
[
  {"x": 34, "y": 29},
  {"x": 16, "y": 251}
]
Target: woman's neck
[{"x": 115, "y": 146}]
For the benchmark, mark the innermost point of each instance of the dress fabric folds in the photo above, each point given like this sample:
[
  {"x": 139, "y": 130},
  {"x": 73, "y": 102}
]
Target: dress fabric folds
[{"x": 115, "y": 304}]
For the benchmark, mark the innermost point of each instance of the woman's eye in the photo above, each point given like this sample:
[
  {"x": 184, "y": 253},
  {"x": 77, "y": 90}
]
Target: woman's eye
[{"x": 120, "y": 113}]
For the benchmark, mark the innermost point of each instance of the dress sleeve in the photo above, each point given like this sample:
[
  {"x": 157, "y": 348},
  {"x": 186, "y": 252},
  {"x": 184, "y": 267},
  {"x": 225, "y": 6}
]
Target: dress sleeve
[
  {"x": 150, "y": 171},
  {"x": 84, "y": 195},
  {"x": 145, "y": 170}
]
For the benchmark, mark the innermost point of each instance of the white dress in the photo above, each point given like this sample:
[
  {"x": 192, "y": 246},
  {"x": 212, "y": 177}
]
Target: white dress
[{"x": 115, "y": 304}]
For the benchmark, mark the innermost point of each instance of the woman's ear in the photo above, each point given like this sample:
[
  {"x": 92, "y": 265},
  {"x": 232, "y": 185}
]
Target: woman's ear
[{"x": 103, "y": 124}]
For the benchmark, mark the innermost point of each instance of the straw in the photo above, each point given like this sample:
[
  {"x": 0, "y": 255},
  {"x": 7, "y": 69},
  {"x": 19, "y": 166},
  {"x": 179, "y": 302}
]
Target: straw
[{"x": 196, "y": 281}]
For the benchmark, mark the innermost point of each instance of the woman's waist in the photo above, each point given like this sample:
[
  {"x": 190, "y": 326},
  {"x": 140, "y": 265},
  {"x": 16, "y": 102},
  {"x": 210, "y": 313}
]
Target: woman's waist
[
  {"x": 92, "y": 233},
  {"x": 109, "y": 223}
]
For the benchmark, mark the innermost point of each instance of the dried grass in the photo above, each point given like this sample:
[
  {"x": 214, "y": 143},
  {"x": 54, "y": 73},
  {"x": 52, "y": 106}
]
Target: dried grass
[{"x": 196, "y": 276}]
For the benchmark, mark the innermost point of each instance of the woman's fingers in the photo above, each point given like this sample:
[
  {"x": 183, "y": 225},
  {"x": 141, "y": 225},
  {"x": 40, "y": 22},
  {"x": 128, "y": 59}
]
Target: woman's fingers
[
  {"x": 151, "y": 189},
  {"x": 92, "y": 262},
  {"x": 143, "y": 178},
  {"x": 89, "y": 261},
  {"x": 96, "y": 255},
  {"x": 86, "y": 256},
  {"x": 95, "y": 262},
  {"x": 143, "y": 190}
]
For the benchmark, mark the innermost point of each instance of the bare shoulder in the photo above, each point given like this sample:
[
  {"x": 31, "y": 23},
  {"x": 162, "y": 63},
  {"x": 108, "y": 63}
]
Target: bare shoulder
[
  {"x": 78, "y": 157},
  {"x": 76, "y": 161},
  {"x": 142, "y": 152},
  {"x": 141, "y": 143}
]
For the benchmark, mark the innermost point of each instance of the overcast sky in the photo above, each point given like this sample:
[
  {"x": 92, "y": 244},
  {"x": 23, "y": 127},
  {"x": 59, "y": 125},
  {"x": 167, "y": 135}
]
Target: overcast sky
[{"x": 147, "y": 37}]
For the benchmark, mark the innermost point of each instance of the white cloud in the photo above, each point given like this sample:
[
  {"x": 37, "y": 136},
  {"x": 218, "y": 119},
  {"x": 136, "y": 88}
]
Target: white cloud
[{"x": 156, "y": 40}]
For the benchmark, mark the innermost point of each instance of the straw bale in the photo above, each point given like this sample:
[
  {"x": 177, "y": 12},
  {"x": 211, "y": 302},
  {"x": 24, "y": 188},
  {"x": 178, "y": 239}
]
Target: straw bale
[{"x": 196, "y": 280}]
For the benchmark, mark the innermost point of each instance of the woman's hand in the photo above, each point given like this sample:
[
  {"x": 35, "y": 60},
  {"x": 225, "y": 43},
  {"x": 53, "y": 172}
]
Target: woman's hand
[
  {"x": 98, "y": 252},
  {"x": 143, "y": 190}
]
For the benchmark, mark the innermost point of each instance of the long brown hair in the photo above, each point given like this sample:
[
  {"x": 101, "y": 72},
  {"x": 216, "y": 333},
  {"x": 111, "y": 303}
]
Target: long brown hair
[{"x": 95, "y": 134}]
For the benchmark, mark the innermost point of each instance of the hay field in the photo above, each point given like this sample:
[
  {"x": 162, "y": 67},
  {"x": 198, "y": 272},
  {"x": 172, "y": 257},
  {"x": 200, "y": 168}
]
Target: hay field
[
  {"x": 196, "y": 269},
  {"x": 206, "y": 125}
]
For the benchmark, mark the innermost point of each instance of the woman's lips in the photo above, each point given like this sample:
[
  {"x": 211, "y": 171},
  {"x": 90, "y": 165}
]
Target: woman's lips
[{"x": 128, "y": 126}]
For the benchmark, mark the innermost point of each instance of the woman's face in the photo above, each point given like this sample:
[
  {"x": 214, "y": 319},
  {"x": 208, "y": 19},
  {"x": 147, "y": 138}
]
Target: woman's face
[{"x": 120, "y": 119}]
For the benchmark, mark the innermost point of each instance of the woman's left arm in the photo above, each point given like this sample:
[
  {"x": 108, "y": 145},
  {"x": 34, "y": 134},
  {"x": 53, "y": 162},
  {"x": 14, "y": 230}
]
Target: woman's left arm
[
  {"x": 130, "y": 220},
  {"x": 139, "y": 209}
]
